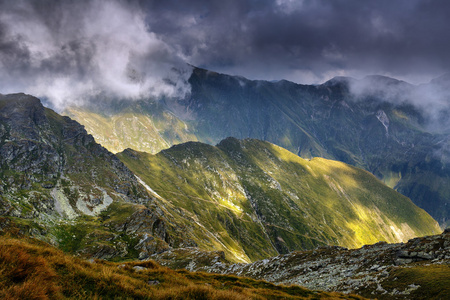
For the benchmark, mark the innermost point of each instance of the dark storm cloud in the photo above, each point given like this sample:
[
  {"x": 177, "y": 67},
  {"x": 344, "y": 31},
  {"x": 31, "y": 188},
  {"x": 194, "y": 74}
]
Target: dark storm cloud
[
  {"x": 70, "y": 50},
  {"x": 308, "y": 39}
]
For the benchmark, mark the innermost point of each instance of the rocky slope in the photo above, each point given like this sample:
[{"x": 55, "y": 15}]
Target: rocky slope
[
  {"x": 252, "y": 199},
  {"x": 42, "y": 151},
  {"x": 58, "y": 184},
  {"x": 378, "y": 130},
  {"x": 418, "y": 269}
]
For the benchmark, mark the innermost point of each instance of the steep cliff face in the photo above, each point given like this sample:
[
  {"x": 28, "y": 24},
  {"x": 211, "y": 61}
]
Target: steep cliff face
[{"x": 253, "y": 199}]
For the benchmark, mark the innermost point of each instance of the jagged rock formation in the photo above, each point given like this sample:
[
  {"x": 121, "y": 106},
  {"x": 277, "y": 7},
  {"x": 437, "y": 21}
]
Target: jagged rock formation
[
  {"x": 252, "y": 199},
  {"x": 418, "y": 269}
]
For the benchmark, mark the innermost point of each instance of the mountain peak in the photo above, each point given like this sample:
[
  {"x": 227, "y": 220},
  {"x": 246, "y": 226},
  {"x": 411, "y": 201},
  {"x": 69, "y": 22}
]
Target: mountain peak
[
  {"x": 339, "y": 80},
  {"x": 229, "y": 141},
  {"x": 21, "y": 100}
]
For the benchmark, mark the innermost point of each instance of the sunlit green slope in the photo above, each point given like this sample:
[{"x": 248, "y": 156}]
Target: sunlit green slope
[
  {"x": 134, "y": 127},
  {"x": 253, "y": 199}
]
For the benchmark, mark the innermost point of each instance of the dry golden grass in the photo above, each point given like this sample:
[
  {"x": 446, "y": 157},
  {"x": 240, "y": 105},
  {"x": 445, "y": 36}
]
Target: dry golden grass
[{"x": 31, "y": 269}]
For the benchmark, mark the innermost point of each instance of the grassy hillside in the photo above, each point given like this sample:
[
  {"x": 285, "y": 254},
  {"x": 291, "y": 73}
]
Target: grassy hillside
[
  {"x": 253, "y": 199},
  {"x": 35, "y": 270}
]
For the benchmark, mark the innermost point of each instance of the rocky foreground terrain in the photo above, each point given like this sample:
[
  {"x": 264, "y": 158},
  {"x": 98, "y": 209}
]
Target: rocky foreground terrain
[
  {"x": 418, "y": 269},
  {"x": 31, "y": 269}
]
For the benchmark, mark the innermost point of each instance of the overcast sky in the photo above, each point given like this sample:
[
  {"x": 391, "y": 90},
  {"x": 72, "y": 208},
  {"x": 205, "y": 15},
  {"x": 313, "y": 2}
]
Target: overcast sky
[
  {"x": 129, "y": 48},
  {"x": 309, "y": 41}
]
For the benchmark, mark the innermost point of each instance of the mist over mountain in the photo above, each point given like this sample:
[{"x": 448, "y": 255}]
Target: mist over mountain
[
  {"x": 432, "y": 99},
  {"x": 375, "y": 123},
  {"x": 132, "y": 49}
]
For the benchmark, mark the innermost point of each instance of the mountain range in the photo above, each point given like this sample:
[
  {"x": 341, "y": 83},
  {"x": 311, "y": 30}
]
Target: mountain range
[
  {"x": 377, "y": 123},
  {"x": 247, "y": 198}
]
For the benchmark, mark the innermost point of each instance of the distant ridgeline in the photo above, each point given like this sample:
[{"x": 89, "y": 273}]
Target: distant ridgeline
[
  {"x": 390, "y": 139},
  {"x": 248, "y": 198}
]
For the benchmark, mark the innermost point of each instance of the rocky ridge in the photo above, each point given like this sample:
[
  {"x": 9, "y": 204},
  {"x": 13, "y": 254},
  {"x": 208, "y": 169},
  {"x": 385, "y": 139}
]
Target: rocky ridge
[
  {"x": 418, "y": 269},
  {"x": 44, "y": 154}
]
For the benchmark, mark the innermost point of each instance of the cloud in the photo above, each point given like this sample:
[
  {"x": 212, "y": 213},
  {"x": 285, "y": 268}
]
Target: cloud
[
  {"x": 432, "y": 99},
  {"x": 72, "y": 51},
  {"x": 383, "y": 88},
  {"x": 286, "y": 39}
]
